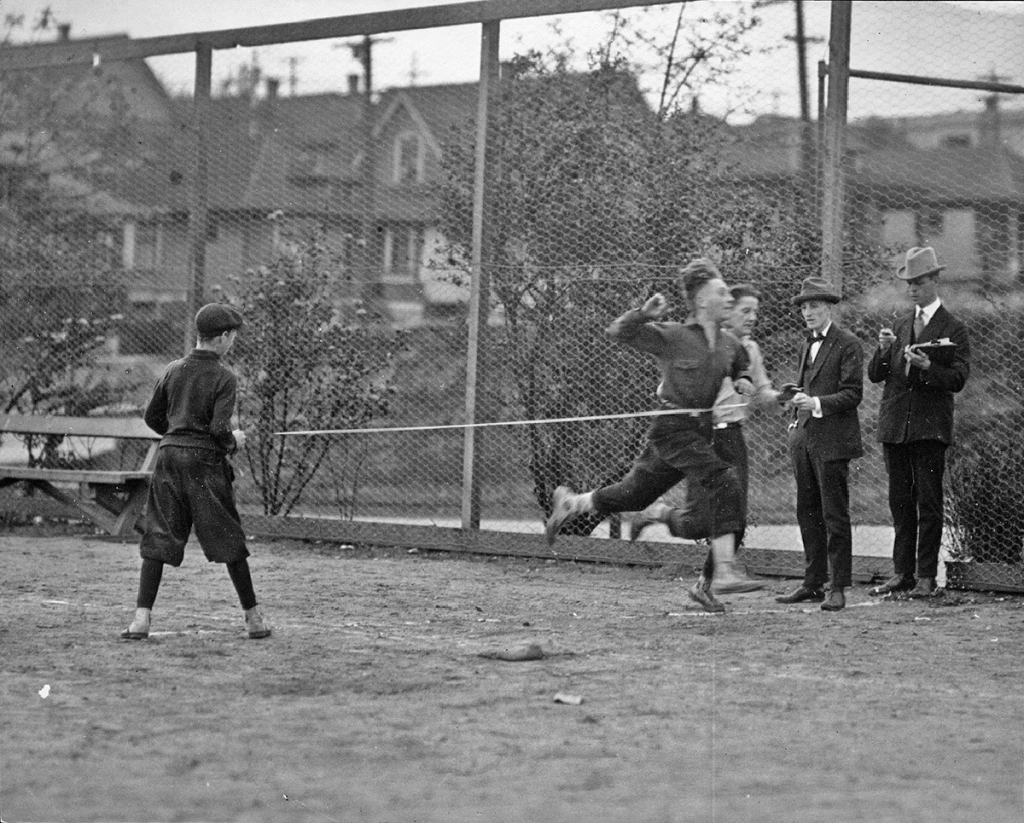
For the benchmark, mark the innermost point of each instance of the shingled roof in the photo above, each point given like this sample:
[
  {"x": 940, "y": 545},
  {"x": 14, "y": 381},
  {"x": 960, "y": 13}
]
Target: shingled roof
[{"x": 948, "y": 176}]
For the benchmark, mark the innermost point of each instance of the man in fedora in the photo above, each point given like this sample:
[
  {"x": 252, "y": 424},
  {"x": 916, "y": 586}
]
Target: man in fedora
[
  {"x": 915, "y": 422},
  {"x": 824, "y": 435}
]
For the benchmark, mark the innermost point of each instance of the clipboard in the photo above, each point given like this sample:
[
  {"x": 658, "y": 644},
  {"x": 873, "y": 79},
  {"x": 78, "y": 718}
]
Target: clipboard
[{"x": 939, "y": 351}]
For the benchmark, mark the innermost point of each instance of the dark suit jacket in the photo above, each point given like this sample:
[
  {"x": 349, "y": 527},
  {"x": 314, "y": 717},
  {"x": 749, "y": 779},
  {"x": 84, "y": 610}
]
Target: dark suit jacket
[
  {"x": 919, "y": 406},
  {"x": 836, "y": 378}
]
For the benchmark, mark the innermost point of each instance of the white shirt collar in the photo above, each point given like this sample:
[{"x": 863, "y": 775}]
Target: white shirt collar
[{"x": 928, "y": 311}]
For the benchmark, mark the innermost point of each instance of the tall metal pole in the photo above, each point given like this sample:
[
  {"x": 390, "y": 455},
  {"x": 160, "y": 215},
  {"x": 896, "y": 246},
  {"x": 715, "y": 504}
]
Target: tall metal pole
[
  {"x": 833, "y": 183},
  {"x": 480, "y": 288},
  {"x": 198, "y": 216}
]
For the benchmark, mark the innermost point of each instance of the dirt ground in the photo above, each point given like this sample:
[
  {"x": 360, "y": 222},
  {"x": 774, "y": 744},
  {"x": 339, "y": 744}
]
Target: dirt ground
[{"x": 372, "y": 700}]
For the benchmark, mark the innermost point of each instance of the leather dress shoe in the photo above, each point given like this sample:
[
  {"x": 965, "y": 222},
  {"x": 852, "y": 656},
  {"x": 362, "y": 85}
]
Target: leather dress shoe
[
  {"x": 897, "y": 583},
  {"x": 799, "y": 595},
  {"x": 926, "y": 587},
  {"x": 835, "y": 601}
]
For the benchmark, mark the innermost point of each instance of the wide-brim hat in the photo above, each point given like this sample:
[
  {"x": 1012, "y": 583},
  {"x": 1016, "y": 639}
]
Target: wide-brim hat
[
  {"x": 817, "y": 288},
  {"x": 920, "y": 263}
]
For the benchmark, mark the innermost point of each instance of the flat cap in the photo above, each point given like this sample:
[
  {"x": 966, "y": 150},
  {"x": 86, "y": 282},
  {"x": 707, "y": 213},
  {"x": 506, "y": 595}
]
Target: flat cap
[{"x": 217, "y": 318}]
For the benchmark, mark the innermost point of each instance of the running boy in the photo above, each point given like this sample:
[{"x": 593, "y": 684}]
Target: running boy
[{"x": 191, "y": 408}]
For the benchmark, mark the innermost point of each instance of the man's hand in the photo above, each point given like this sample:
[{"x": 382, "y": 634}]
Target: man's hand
[
  {"x": 918, "y": 358},
  {"x": 656, "y": 307},
  {"x": 743, "y": 387},
  {"x": 886, "y": 338},
  {"x": 803, "y": 401}
]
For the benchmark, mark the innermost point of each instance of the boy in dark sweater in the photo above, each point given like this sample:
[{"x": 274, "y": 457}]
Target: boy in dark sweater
[{"x": 191, "y": 408}]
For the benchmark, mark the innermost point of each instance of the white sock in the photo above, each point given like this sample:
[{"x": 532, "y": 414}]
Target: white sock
[{"x": 724, "y": 549}]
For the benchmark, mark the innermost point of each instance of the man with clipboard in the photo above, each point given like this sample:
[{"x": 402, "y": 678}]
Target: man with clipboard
[{"x": 924, "y": 359}]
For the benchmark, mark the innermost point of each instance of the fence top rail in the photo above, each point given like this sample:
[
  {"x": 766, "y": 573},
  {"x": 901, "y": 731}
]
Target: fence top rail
[
  {"x": 132, "y": 428},
  {"x": 100, "y": 49}
]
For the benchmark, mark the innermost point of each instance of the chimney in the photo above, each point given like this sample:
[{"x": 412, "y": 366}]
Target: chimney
[
  {"x": 64, "y": 32},
  {"x": 989, "y": 126},
  {"x": 353, "y": 84}
]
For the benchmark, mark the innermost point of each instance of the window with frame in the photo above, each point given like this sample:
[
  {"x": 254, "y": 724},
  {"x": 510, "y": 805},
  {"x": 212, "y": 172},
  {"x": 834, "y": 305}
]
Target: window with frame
[
  {"x": 408, "y": 159},
  {"x": 403, "y": 243},
  {"x": 931, "y": 223}
]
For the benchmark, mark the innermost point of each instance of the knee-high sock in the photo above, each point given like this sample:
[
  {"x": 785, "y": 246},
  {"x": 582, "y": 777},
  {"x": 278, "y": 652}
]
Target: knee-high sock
[
  {"x": 149, "y": 582},
  {"x": 242, "y": 580}
]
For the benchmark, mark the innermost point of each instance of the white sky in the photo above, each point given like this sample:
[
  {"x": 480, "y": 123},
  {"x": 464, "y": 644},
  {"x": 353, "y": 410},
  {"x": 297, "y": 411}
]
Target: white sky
[{"x": 901, "y": 37}]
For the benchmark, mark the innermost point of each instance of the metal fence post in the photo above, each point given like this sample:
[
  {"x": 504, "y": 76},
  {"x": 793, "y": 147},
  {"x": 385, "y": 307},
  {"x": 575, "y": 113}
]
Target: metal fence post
[
  {"x": 834, "y": 145},
  {"x": 479, "y": 297},
  {"x": 198, "y": 216}
]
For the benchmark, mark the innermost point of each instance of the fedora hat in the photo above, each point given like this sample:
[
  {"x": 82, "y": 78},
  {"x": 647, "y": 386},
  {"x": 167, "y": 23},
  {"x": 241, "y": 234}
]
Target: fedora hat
[
  {"x": 817, "y": 288},
  {"x": 920, "y": 262}
]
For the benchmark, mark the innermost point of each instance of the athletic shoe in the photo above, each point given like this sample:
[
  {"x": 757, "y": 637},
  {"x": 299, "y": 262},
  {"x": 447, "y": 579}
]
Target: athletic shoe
[
  {"x": 700, "y": 592},
  {"x": 564, "y": 506},
  {"x": 731, "y": 580},
  {"x": 638, "y": 524},
  {"x": 254, "y": 620},
  {"x": 138, "y": 629}
]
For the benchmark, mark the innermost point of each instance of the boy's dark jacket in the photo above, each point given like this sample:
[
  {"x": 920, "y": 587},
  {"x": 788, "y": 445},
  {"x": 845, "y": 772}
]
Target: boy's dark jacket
[{"x": 193, "y": 403}]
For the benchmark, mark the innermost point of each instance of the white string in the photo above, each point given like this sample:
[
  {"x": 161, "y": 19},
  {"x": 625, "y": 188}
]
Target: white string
[{"x": 656, "y": 413}]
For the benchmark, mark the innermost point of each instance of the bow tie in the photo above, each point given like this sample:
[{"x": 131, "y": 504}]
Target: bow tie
[{"x": 814, "y": 337}]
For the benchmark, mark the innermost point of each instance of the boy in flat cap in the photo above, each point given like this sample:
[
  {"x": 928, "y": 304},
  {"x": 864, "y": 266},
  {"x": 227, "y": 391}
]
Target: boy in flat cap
[{"x": 191, "y": 408}]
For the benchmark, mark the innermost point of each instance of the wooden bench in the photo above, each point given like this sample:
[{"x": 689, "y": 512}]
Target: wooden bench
[{"x": 113, "y": 499}]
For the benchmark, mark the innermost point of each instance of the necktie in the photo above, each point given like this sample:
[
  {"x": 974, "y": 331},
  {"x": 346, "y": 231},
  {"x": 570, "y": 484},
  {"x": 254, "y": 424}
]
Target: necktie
[{"x": 918, "y": 324}]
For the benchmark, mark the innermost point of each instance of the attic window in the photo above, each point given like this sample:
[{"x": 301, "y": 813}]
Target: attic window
[
  {"x": 930, "y": 224},
  {"x": 408, "y": 159}
]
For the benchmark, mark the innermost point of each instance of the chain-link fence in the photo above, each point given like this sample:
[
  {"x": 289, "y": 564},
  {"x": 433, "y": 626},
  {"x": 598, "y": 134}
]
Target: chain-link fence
[{"x": 406, "y": 267}]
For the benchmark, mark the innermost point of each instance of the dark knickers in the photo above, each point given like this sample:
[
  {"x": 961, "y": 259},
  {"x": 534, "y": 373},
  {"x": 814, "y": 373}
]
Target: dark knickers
[
  {"x": 192, "y": 488},
  {"x": 684, "y": 451}
]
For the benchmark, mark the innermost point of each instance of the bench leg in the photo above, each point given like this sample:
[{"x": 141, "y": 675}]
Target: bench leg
[
  {"x": 125, "y": 524},
  {"x": 96, "y": 513}
]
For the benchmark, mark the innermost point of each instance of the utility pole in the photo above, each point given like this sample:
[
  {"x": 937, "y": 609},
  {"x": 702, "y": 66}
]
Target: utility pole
[
  {"x": 293, "y": 74},
  {"x": 366, "y": 245},
  {"x": 801, "y": 39},
  {"x": 807, "y": 153}
]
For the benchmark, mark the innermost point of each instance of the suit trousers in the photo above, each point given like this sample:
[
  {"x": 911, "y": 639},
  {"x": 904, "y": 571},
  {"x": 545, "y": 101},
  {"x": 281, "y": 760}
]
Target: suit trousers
[
  {"x": 915, "y": 500},
  {"x": 823, "y": 513}
]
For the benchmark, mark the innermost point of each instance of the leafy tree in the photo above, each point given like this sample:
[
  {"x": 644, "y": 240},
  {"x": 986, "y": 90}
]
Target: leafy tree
[
  {"x": 61, "y": 290},
  {"x": 598, "y": 201},
  {"x": 302, "y": 365}
]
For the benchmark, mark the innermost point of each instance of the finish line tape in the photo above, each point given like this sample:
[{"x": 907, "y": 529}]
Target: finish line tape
[{"x": 656, "y": 413}]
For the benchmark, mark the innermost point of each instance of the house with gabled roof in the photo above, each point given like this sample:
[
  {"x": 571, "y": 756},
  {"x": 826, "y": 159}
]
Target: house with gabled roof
[
  {"x": 409, "y": 132},
  {"x": 965, "y": 199},
  {"x": 278, "y": 165}
]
